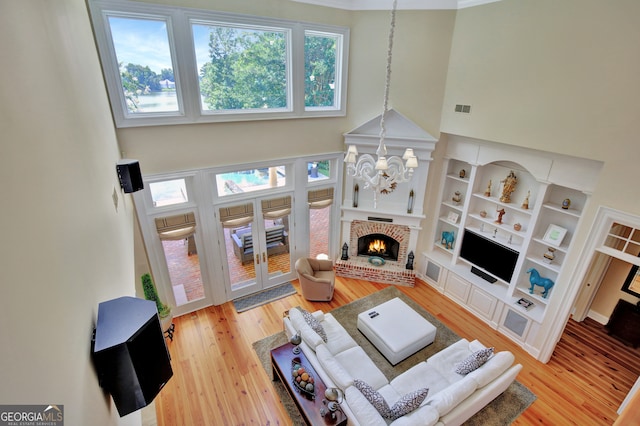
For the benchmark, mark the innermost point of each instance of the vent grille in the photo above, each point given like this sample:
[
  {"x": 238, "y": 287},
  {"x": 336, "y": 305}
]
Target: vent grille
[{"x": 465, "y": 109}]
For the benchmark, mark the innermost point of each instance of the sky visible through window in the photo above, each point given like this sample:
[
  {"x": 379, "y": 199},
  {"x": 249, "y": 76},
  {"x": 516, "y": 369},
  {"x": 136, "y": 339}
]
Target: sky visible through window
[
  {"x": 141, "y": 42},
  {"x": 146, "y": 42}
]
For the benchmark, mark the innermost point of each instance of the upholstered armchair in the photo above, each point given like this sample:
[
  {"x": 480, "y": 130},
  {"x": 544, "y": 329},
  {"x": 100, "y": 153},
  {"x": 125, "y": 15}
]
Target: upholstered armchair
[{"x": 317, "y": 278}]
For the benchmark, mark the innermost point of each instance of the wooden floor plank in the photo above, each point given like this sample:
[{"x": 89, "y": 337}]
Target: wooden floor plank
[{"x": 218, "y": 378}]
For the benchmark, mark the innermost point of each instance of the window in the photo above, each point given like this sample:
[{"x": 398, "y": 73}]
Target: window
[
  {"x": 240, "y": 181},
  {"x": 171, "y": 65},
  {"x": 241, "y": 68},
  {"x": 169, "y": 192},
  {"x": 318, "y": 170},
  {"x": 320, "y": 63},
  {"x": 145, "y": 67}
]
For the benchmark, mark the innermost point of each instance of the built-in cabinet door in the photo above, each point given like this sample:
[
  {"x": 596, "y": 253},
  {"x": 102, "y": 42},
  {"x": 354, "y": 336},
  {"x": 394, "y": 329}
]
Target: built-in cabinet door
[
  {"x": 457, "y": 288},
  {"x": 483, "y": 304}
]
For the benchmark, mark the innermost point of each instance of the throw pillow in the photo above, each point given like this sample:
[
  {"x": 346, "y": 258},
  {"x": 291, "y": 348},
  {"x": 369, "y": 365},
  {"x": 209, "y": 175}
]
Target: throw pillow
[
  {"x": 474, "y": 361},
  {"x": 408, "y": 403},
  {"x": 373, "y": 396},
  {"x": 314, "y": 323}
]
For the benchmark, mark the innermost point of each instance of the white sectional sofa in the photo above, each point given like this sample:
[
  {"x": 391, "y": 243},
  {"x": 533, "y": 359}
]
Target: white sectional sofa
[{"x": 452, "y": 398}]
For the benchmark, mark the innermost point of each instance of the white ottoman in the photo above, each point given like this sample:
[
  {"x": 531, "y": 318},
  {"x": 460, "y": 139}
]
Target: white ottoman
[{"x": 396, "y": 330}]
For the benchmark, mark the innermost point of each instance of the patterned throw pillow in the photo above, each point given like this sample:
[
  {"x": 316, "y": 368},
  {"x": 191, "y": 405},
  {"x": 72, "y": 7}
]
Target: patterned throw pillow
[
  {"x": 313, "y": 323},
  {"x": 474, "y": 361},
  {"x": 408, "y": 403},
  {"x": 405, "y": 405},
  {"x": 373, "y": 396}
]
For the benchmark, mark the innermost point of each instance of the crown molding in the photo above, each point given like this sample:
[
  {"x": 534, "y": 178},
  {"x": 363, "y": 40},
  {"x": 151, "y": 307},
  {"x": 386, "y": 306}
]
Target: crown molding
[{"x": 402, "y": 4}]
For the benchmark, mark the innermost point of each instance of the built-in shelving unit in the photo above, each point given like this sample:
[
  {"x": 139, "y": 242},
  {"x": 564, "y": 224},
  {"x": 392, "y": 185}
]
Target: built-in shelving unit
[{"x": 537, "y": 221}]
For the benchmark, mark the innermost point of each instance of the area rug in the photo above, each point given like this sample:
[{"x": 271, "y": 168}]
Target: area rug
[
  {"x": 263, "y": 297},
  {"x": 501, "y": 411}
]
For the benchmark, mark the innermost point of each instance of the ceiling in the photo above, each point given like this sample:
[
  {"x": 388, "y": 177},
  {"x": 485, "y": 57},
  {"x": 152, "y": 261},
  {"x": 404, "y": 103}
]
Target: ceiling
[{"x": 402, "y": 4}]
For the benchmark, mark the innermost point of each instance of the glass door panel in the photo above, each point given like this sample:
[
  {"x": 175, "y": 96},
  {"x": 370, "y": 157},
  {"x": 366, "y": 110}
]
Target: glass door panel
[
  {"x": 319, "y": 228},
  {"x": 184, "y": 270},
  {"x": 240, "y": 258},
  {"x": 277, "y": 261}
]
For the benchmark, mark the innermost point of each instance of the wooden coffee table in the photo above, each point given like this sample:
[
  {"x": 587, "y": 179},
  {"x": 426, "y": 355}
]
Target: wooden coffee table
[{"x": 308, "y": 405}]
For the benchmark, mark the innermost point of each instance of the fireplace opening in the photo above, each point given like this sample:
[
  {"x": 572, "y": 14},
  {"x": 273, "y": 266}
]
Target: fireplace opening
[{"x": 378, "y": 245}]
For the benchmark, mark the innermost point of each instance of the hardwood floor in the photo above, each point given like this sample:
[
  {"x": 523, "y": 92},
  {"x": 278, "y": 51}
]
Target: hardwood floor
[{"x": 218, "y": 379}]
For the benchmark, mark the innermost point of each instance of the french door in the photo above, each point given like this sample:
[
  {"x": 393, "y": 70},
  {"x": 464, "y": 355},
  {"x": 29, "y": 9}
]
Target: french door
[{"x": 256, "y": 243}]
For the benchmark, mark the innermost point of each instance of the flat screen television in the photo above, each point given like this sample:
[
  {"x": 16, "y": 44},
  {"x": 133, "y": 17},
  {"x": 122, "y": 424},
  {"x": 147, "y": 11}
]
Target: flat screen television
[{"x": 491, "y": 256}]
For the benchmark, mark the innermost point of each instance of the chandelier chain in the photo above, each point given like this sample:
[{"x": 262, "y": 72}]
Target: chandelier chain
[{"x": 387, "y": 83}]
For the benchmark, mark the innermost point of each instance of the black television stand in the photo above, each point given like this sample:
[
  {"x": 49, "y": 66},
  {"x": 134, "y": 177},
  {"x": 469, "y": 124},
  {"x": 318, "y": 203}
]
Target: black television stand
[{"x": 483, "y": 275}]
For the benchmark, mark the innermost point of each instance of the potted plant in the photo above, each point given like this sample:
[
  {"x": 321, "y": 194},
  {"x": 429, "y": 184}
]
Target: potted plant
[{"x": 164, "y": 311}]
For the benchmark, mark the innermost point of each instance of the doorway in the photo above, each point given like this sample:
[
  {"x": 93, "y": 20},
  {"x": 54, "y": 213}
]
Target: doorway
[{"x": 256, "y": 243}]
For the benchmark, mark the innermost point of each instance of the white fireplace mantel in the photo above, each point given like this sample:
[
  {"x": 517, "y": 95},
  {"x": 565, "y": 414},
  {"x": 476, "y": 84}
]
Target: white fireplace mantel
[{"x": 401, "y": 133}]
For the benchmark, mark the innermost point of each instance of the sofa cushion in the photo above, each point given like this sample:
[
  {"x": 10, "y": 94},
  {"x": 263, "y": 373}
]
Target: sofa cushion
[
  {"x": 338, "y": 340},
  {"x": 356, "y": 361},
  {"x": 363, "y": 411},
  {"x": 473, "y": 361},
  {"x": 341, "y": 377},
  {"x": 498, "y": 364},
  {"x": 419, "y": 376},
  {"x": 407, "y": 403},
  {"x": 445, "y": 361},
  {"x": 373, "y": 397},
  {"x": 423, "y": 416},
  {"x": 449, "y": 398},
  {"x": 313, "y": 323},
  {"x": 309, "y": 336}
]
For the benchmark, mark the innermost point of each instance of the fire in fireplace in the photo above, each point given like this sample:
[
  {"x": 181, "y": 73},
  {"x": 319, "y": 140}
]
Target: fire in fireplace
[{"x": 378, "y": 245}]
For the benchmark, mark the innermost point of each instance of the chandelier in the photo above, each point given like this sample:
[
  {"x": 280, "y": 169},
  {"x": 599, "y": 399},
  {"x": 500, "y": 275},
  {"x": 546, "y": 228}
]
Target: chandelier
[{"x": 382, "y": 174}]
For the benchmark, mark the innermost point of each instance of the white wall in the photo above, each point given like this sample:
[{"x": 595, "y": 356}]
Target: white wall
[{"x": 65, "y": 247}]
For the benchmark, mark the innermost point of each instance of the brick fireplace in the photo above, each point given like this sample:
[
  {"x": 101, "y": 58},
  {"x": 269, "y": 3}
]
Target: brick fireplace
[{"x": 393, "y": 271}]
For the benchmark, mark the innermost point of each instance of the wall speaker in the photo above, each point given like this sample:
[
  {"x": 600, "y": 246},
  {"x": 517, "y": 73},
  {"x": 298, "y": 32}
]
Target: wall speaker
[
  {"x": 515, "y": 322},
  {"x": 129, "y": 175},
  {"x": 433, "y": 271},
  {"x": 130, "y": 353}
]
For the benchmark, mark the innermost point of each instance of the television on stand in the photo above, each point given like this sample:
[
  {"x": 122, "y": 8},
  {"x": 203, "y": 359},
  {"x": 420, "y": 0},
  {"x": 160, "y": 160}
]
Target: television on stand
[{"x": 490, "y": 258}]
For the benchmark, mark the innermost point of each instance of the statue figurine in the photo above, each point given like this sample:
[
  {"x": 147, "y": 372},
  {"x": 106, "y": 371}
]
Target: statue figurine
[
  {"x": 447, "y": 239},
  {"x": 525, "y": 203},
  {"x": 510, "y": 183},
  {"x": 501, "y": 213},
  {"x": 410, "y": 258},
  {"x": 487, "y": 193},
  {"x": 345, "y": 252}
]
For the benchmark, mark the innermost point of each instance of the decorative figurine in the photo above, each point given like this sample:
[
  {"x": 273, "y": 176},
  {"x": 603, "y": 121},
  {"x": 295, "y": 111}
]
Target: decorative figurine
[
  {"x": 501, "y": 213},
  {"x": 345, "y": 252},
  {"x": 566, "y": 203},
  {"x": 525, "y": 203},
  {"x": 457, "y": 197},
  {"x": 549, "y": 256},
  {"x": 517, "y": 226},
  {"x": 487, "y": 193},
  {"x": 463, "y": 173},
  {"x": 411, "y": 256},
  {"x": 510, "y": 183},
  {"x": 536, "y": 280},
  {"x": 483, "y": 213},
  {"x": 447, "y": 239}
]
